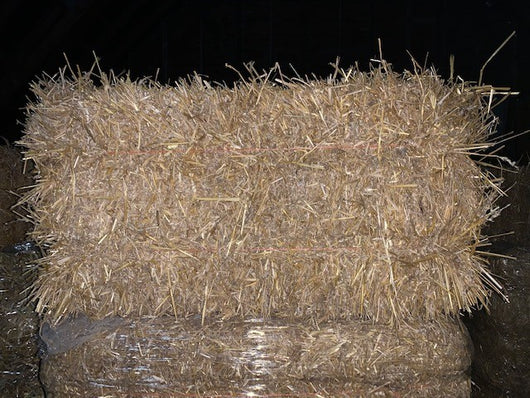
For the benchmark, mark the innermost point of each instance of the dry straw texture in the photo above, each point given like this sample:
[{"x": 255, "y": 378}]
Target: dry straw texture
[
  {"x": 335, "y": 198},
  {"x": 274, "y": 358},
  {"x": 19, "y": 365}
]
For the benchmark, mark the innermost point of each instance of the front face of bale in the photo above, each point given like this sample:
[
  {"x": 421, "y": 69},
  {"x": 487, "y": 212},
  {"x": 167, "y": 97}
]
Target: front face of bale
[
  {"x": 330, "y": 199},
  {"x": 257, "y": 358}
]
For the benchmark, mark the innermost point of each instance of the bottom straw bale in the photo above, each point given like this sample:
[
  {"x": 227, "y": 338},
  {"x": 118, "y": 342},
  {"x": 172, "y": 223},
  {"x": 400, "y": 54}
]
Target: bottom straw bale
[
  {"x": 19, "y": 325},
  {"x": 164, "y": 357}
]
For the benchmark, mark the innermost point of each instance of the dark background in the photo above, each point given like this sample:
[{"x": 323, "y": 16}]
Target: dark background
[{"x": 171, "y": 39}]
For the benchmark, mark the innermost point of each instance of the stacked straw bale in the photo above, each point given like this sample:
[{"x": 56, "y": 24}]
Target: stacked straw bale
[
  {"x": 266, "y": 358},
  {"x": 18, "y": 322},
  {"x": 265, "y": 238},
  {"x": 331, "y": 199}
]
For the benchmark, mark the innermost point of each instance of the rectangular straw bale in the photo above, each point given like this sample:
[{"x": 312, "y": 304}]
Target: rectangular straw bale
[
  {"x": 329, "y": 198},
  {"x": 233, "y": 358}
]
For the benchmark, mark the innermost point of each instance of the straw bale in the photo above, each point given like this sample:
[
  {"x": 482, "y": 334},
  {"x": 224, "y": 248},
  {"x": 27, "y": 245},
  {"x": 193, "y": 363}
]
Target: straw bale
[
  {"x": 19, "y": 363},
  {"x": 12, "y": 179},
  {"x": 354, "y": 195},
  {"x": 161, "y": 356},
  {"x": 502, "y": 356}
]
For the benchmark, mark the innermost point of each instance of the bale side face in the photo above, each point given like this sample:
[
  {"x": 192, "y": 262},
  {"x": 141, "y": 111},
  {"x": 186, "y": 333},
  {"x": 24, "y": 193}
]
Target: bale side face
[
  {"x": 234, "y": 358},
  {"x": 329, "y": 199}
]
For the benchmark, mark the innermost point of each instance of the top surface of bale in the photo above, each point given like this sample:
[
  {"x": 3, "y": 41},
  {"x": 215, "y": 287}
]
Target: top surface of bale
[{"x": 330, "y": 198}]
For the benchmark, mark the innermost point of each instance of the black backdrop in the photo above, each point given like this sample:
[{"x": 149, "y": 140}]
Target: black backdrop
[{"x": 172, "y": 39}]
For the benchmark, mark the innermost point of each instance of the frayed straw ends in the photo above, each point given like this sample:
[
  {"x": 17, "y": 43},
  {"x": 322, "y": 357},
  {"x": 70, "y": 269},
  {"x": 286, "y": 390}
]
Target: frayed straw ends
[{"x": 330, "y": 199}]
